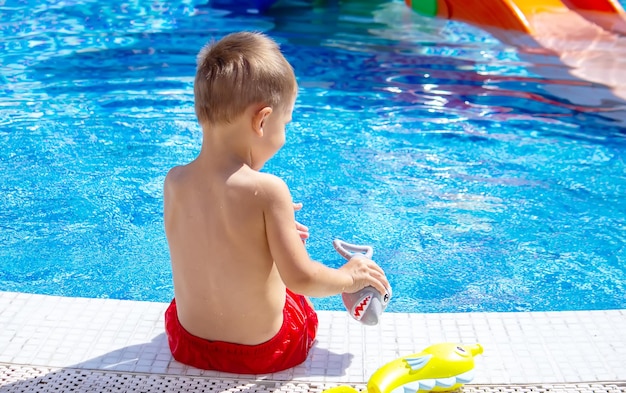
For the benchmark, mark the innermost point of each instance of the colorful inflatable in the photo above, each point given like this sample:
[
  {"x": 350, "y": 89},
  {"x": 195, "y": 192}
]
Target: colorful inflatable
[
  {"x": 517, "y": 14},
  {"x": 439, "y": 368}
]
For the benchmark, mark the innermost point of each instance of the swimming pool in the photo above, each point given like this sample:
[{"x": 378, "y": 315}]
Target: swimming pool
[{"x": 480, "y": 187}]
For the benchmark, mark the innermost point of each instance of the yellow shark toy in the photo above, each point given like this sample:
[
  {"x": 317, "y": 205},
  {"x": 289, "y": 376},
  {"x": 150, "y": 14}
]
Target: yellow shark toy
[{"x": 439, "y": 368}]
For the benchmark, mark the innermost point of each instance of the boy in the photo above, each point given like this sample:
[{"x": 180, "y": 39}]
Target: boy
[{"x": 239, "y": 264}]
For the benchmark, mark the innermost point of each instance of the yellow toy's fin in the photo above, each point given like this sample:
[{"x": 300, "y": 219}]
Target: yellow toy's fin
[{"x": 417, "y": 362}]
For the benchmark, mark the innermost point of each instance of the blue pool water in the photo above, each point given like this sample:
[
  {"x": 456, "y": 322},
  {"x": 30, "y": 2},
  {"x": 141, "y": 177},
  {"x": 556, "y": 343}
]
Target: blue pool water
[{"x": 485, "y": 179}]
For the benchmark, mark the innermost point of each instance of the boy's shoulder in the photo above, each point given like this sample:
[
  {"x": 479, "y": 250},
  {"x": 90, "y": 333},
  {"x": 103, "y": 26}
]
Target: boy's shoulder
[
  {"x": 179, "y": 179},
  {"x": 174, "y": 176},
  {"x": 271, "y": 185},
  {"x": 266, "y": 188},
  {"x": 175, "y": 172}
]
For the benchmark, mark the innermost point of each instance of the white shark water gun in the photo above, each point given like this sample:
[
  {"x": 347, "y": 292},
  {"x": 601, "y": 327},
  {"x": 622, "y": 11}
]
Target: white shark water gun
[
  {"x": 441, "y": 367},
  {"x": 366, "y": 305}
]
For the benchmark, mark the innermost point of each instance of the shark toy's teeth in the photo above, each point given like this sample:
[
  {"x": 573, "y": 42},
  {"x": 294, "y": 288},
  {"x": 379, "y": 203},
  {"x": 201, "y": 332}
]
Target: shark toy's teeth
[
  {"x": 411, "y": 387},
  {"x": 427, "y": 384},
  {"x": 418, "y": 362},
  {"x": 430, "y": 384},
  {"x": 361, "y": 307},
  {"x": 465, "y": 377},
  {"x": 446, "y": 382}
]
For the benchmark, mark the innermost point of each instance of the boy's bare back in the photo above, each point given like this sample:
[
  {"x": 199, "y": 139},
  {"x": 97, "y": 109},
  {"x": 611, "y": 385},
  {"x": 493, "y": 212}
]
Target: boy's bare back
[{"x": 226, "y": 284}]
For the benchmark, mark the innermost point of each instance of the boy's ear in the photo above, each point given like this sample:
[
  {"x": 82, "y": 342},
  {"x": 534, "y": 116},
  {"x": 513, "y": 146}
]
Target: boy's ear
[{"x": 259, "y": 118}]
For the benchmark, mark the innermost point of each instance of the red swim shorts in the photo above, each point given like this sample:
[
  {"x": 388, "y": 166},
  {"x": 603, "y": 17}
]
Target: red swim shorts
[{"x": 288, "y": 348}]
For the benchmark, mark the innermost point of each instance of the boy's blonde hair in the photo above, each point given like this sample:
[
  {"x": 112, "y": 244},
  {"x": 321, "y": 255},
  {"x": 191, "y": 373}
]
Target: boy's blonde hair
[{"x": 240, "y": 70}]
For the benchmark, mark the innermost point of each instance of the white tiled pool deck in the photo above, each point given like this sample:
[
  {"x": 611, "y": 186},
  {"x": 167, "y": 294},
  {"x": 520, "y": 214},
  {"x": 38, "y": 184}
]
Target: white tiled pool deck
[{"x": 48, "y": 335}]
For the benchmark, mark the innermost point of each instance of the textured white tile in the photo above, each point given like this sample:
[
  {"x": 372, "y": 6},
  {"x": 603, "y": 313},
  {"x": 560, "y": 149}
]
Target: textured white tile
[{"x": 128, "y": 336}]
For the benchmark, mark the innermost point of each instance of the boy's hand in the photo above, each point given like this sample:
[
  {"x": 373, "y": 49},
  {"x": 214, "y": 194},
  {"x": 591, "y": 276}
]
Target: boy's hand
[
  {"x": 365, "y": 272},
  {"x": 303, "y": 231}
]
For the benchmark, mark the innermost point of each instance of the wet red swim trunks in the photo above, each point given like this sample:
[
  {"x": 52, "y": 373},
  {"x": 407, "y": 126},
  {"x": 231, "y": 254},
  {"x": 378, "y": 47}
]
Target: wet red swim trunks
[{"x": 288, "y": 348}]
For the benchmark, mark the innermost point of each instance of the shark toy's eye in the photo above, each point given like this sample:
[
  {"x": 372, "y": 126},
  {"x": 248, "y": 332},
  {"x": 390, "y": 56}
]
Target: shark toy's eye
[{"x": 461, "y": 351}]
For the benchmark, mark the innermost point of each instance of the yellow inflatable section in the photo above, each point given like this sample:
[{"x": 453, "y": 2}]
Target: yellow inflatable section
[{"x": 439, "y": 368}]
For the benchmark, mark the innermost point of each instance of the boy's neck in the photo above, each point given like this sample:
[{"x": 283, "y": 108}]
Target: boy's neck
[{"x": 226, "y": 146}]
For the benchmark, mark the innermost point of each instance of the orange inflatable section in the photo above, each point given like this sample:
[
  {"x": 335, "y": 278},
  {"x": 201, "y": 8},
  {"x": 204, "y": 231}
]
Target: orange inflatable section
[
  {"x": 515, "y": 14},
  {"x": 501, "y": 14},
  {"x": 608, "y": 14}
]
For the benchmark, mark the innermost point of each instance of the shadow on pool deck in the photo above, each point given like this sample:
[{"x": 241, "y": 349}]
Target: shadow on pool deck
[{"x": 110, "y": 372}]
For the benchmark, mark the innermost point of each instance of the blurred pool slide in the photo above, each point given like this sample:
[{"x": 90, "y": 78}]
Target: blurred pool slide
[
  {"x": 518, "y": 15},
  {"x": 588, "y": 37}
]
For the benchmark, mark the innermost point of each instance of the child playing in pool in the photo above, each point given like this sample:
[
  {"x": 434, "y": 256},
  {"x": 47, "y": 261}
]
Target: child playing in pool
[{"x": 239, "y": 264}]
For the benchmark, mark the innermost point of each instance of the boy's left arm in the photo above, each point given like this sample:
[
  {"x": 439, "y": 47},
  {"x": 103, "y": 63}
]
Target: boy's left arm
[{"x": 303, "y": 230}]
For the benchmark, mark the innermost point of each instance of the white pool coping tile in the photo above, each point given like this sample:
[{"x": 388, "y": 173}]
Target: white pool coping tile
[{"x": 128, "y": 336}]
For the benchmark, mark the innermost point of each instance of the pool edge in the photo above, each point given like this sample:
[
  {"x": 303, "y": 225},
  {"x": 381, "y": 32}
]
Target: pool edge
[{"x": 122, "y": 336}]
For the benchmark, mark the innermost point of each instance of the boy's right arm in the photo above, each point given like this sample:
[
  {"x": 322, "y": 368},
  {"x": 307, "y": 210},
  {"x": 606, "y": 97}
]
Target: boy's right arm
[{"x": 299, "y": 273}]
